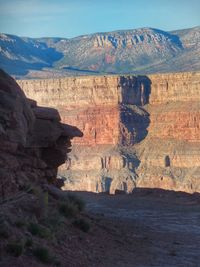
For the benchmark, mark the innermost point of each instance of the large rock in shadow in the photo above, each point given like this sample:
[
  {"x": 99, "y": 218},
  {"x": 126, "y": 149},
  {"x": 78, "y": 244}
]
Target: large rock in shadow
[{"x": 33, "y": 141}]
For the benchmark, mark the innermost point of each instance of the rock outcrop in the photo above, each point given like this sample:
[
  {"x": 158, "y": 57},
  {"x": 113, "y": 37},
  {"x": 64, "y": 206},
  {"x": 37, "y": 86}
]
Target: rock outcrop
[
  {"x": 33, "y": 141},
  {"x": 138, "y": 131}
]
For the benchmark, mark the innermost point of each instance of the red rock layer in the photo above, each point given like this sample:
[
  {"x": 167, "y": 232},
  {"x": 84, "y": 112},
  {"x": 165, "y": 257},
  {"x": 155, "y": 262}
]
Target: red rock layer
[
  {"x": 98, "y": 123},
  {"x": 180, "y": 121}
]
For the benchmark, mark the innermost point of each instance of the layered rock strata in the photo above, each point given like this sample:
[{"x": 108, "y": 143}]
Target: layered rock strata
[
  {"x": 138, "y": 131},
  {"x": 33, "y": 141},
  {"x": 170, "y": 155}
]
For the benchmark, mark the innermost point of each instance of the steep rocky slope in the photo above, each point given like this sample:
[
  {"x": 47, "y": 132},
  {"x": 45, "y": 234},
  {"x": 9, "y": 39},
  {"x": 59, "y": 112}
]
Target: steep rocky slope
[
  {"x": 138, "y": 131},
  {"x": 143, "y": 50}
]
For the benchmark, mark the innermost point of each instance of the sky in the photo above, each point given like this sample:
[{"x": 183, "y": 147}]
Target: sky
[{"x": 70, "y": 18}]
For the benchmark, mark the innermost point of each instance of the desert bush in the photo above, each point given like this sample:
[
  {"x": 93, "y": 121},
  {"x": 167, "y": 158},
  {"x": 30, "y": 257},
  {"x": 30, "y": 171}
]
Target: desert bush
[
  {"x": 4, "y": 230},
  {"x": 42, "y": 254},
  {"x": 4, "y": 233},
  {"x": 20, "y": 223},
  {"x": 15, "y": 248},
  {"x": 54, "y": 220},
  {"x": 56, "y": 262},
  {"x": 76, "y": 201},
  {"x": 29, "y": 242},
  {"x": 68, "y": 209},
  {"x": 39, "y": 230},
  {"x": 71, "y": 206},
  {"x": 43, "y": 198},
  {"x": 26, "y": 187},
  {"x": 82, "y": 224}
]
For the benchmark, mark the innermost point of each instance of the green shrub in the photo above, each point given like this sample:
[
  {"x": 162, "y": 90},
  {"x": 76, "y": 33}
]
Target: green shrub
[
  {"x": 42, "y": 254},
  {"x": 76, "y": 201},
  {"x": 68, "y": 209},
  {"x": 4, "y": 228},
  {"x": 71, "y": 206},
  {"x": 29, "y": 242},
  {"x": 54, "y": 221},
  {"x": 35, "y": 190},
  {"x": 20, "y": 223},
  {"x": 39, "y": 230},
  {"x": 57, "y": 263},
  {"x": 25, "y": 187},
  {"x": 82, "y": 224},
  {"x": 15, "y": 248},
  {"x": 4, "y": 233}
]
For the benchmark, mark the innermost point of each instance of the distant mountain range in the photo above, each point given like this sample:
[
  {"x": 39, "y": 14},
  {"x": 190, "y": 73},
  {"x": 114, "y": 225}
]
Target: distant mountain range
[{"x": 139, "y": 51}]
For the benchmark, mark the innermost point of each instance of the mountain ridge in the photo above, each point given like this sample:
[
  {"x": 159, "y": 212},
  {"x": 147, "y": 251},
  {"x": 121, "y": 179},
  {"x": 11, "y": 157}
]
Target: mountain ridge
[{"x": 145, "y": 50}]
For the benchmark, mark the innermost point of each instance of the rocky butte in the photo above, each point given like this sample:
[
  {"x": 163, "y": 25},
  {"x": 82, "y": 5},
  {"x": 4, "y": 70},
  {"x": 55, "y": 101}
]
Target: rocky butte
[{"x": 139, "y": 131}]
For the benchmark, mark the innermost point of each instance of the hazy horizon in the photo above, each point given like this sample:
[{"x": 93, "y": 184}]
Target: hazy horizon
[{"x": 70, "y": 19}]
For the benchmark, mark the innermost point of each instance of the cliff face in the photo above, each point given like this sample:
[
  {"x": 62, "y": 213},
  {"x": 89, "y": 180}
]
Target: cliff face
[
  {"x": 170, "y": 157},
  {"x": 33, "y": 140},
  {"x": 138, "y": 131}
]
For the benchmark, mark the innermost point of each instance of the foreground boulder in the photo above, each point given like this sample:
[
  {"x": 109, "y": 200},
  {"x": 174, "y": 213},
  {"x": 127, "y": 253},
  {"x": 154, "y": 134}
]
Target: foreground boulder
[{"x": 33, "y": 141}]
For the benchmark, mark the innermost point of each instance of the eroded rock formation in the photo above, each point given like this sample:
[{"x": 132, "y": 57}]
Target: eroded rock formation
[
  {"x": 33, "y": 141},
  {"x": 138, "y": 131}
]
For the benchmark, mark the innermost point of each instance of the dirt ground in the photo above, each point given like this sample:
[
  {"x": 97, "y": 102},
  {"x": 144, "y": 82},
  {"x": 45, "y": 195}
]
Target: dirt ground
[
  {"x": 147, "y": 228},
  {"x": 150, "y": 227}
]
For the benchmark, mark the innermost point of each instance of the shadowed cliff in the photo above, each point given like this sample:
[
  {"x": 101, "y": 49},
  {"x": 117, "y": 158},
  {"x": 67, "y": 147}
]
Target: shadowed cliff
[{"x": 33, "y": 141}]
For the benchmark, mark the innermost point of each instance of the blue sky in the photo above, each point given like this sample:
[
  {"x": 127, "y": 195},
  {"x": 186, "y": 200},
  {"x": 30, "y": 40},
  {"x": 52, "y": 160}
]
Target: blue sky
[{"x": 69, "y": 18}]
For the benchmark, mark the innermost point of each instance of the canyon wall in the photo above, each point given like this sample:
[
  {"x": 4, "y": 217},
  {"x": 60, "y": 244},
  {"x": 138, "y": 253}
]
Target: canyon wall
[
  {"x": 170, "y": 155},
  {"x": 138, "y": 131}
]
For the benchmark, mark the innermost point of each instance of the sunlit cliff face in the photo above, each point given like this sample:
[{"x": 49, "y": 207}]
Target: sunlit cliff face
[{"x": 130, "y": 125}]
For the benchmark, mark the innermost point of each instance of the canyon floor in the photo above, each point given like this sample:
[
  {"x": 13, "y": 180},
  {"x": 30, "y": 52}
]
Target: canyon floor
[{"x": 147, "y": 228}]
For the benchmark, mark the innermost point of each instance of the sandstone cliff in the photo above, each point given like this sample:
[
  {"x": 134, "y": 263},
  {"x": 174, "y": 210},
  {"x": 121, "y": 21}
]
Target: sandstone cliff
[
  {"x": 33, "y": 140},
  {"x": 138, "y": 131}
]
